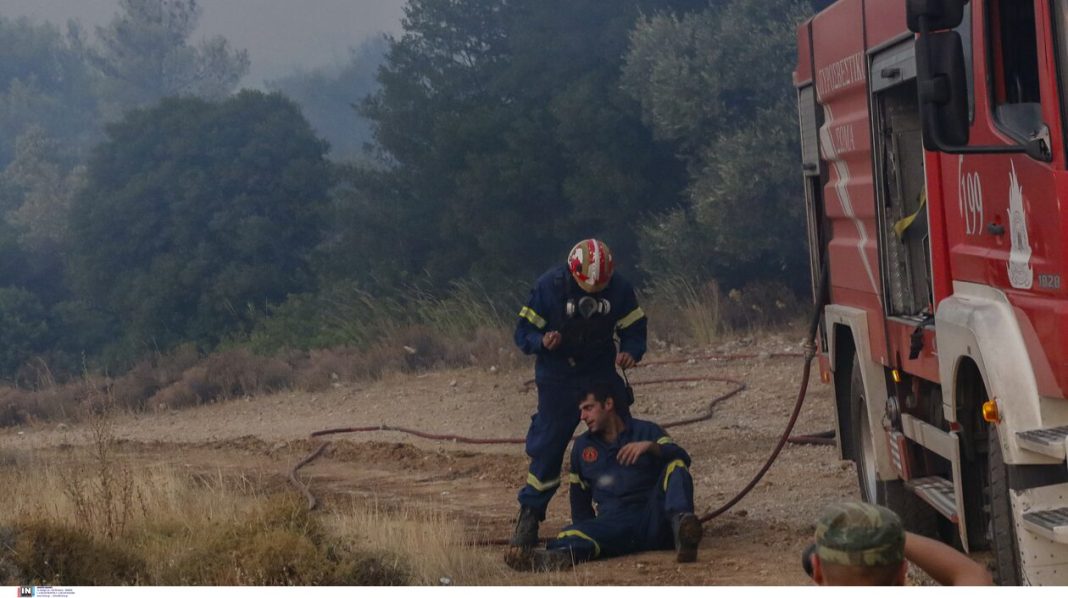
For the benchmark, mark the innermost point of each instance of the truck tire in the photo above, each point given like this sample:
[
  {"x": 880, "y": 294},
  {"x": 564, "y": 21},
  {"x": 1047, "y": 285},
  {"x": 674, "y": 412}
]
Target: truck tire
[
  {"x": 915, "y": 514},
  {"x": 1003, "y": 531}
]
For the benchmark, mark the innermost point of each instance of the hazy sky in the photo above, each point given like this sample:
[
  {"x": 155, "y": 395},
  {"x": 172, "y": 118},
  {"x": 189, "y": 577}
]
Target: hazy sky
[{"x": 279, "y": 35}]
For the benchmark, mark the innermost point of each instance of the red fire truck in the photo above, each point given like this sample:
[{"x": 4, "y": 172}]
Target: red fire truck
[{"x": 934, "y": 157}]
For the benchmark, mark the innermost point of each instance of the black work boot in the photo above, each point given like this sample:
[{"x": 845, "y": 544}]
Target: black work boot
[
  {"x": 540, "y": 560},
  {"x": 526, "y": 528},
  {"x": 687, "y": 529}
]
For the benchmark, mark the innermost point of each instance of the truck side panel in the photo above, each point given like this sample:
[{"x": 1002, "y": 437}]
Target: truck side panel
[{"x": 840, "y": 72}]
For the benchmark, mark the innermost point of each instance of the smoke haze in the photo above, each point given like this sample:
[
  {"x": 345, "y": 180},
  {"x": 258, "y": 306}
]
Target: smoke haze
[{"x": 280, "y": 35}]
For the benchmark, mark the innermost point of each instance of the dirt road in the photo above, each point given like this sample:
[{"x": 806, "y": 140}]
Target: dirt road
[{"x": 756, "y": 543}]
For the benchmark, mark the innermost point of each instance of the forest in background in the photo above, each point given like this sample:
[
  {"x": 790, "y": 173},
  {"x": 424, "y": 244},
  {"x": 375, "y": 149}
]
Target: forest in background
[{"x": 148, "y": 205}]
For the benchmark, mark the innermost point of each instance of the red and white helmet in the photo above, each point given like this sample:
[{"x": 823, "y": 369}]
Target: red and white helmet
[{"x": 590, "y": 263}]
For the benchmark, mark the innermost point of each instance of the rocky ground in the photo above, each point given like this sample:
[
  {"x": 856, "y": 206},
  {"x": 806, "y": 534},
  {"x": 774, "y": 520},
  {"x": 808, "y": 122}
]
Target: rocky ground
[{"x": 758, "y": 542}]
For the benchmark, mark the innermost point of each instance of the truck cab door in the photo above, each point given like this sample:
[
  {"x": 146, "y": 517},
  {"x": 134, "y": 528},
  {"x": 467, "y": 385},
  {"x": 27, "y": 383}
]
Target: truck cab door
[{"x": 1000, "y": 233}]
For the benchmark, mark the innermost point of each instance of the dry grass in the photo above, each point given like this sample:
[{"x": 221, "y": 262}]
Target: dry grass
[
  {"x": 435, "y": 547},
  {"x": 183, "y": 528},
  {"x": 64, "y": 402},
  {"x": 190, "y": 529},
  {"x": 683, "y": 313},
  {"x": 94, "y": 517},
  {"x": 183, "y": 379},
  {"x": 374, "y": 336}
]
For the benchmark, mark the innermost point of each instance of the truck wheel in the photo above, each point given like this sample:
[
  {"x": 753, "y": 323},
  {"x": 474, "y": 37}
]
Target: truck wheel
[
  {"x": 1003, "y": 530},
  {"x": 915, "y": 514},
  {"x": 863, "y": 439}
]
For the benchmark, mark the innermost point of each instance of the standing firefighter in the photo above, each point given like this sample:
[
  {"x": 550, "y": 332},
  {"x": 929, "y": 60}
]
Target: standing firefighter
[{"x": 569, "y": 322}]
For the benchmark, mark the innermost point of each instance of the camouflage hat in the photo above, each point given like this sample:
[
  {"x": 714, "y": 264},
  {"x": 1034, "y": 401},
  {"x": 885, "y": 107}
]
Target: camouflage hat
[{"x": 855, "y": 533}]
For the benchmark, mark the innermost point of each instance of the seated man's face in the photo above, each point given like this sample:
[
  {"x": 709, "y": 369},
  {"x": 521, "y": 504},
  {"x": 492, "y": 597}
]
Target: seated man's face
[{"x": 594, "y": 414}]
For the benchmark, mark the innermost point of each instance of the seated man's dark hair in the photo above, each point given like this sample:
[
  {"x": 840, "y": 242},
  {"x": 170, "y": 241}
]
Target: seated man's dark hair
[{"x": 601, "y": 391}]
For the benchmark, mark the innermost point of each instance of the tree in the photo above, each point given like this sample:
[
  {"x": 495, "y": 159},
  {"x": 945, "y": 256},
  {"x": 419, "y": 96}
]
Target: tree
[
  {"x": 144, "y": 55},
  {"x": 329, "y": 98},
  {"x": 44, "y": 83},
  {"x": 717, "y": 84},
  {"x": 44, "y": 187},
  {"x": 23, "y": 329},
  {"x": 197, "y": 214},
  {"x": 506, "y": 124}
]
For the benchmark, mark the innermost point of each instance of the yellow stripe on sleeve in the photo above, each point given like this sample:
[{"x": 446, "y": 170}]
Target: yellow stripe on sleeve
[
  {"x": 631, "y": 318},
  {"x": 575, "y": 479},
  {"x": 532, "y": 316}
]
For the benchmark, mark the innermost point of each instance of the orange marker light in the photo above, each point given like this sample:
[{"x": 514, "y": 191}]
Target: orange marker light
[
  {"x": 896, "y": 375},
  {"x": 990, "y": 412},
  {"x": 825, "y": 376}
]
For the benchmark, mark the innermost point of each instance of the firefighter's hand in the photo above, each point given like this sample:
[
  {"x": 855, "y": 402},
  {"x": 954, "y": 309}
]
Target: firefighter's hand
[
  {"x": 625, "y": 360},
  {"x": 550, "y": 340},
  {"x": 628, "y": 455}
]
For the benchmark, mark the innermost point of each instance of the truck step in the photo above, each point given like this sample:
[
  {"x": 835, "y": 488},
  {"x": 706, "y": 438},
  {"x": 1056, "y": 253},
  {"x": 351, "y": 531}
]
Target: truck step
[
  {"x": 937, "y": 492},
  {"x": 1049, "y": 441},
  {"x": 1051, "y": 524}
]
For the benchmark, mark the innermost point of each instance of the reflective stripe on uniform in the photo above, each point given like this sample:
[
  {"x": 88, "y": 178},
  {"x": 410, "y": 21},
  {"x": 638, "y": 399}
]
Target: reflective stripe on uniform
[
  {"x": 541, "y": 486},
  {"x": 677, "y": 463},
  {"x": 532, "y": 316},
  {"x": 665, "y": 440},
  {"x": 578, "y": 534},
  {"x": 630, "y": 318},
  {"x": 575, "y": 479}
]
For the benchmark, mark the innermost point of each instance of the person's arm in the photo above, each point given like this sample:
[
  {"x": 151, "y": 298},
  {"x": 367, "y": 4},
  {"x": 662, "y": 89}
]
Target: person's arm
[
  {"x": 579, "y": 492},
  {"x": 944, "y": 564},
  {"x": 632, "y": 326},
  {"x": 658, "y": 444},
  {"x": 530, "y": 328},
  {"x": 669, "y": 451}
]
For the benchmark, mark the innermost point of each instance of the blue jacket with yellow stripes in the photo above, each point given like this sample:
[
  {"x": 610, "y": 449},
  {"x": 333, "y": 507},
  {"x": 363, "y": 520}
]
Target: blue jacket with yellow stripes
[
  {"x": 587, "y": 328},
  {"x": 598, "y": 477}
]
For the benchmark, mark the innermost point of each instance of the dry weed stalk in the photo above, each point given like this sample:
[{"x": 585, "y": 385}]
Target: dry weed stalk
[{"x": 104, "y": 501}]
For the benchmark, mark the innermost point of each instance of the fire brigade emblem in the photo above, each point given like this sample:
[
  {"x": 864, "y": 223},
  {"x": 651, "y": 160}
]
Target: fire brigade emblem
[
  {"x": 589, "y": 454},
  {"x": 1021, "y": 275}
]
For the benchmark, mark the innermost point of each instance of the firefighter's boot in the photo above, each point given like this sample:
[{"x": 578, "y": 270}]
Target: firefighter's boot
[
  {"x": 687, "y": 529},
  {"x": 540, "y": 560},
  {"x": 526, "y": 528}
]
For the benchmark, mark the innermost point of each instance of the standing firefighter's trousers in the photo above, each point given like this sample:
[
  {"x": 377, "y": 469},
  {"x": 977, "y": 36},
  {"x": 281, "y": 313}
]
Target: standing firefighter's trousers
[{"x": 551, "y": 429}]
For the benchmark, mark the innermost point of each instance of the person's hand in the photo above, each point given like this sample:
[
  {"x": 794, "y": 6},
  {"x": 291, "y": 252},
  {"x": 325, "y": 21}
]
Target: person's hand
[
  {"x": 625, "y": 360},
  {"x": 550, "y": 340},
  {"x": 628, "y": 455}
]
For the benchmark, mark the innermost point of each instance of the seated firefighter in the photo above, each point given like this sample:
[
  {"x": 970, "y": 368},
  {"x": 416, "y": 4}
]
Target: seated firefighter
[{"x": 637, "y": 477}]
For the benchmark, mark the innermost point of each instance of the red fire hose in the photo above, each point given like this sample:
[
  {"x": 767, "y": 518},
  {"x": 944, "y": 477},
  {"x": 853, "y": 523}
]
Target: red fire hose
[
  {"x": 738, "y": 387},
  {"x": 809, "y": 355}
]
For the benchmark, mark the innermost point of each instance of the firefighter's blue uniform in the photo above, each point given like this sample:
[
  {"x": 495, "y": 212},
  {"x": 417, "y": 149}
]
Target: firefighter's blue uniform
[
  {"x": 635, "y": 503},
  {"x": 587, "y": 324}
]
